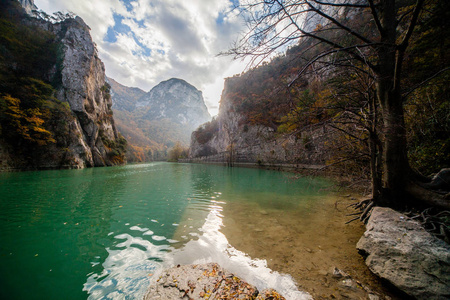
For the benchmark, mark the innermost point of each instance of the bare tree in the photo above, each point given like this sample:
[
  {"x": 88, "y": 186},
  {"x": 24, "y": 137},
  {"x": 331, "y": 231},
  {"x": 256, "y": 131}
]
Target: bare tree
[{"x": 374, "y": 33}]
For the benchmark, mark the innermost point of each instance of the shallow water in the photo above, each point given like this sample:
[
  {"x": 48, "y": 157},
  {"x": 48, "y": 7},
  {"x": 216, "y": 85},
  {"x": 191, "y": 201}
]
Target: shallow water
[{"x": 106, "y": 233}]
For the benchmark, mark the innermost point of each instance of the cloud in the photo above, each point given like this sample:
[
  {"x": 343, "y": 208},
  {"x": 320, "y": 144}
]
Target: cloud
[{"x": 144, "y": 42}]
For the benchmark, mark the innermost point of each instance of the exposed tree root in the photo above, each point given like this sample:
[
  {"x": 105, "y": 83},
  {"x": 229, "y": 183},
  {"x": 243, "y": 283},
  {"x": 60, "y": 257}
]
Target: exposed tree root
[
  {"x": 433, "y": 193},
  {"x": 365, "y": 209},
  {"x": 435, "y": 222}
]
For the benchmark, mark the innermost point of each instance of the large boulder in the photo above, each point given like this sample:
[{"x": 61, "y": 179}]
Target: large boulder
[
  {"x": 208, "y": 281},
  {"x": 401, "y": 251}
]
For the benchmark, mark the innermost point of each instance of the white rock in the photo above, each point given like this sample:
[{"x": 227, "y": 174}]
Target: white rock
[{"x": 399, "y": 250}]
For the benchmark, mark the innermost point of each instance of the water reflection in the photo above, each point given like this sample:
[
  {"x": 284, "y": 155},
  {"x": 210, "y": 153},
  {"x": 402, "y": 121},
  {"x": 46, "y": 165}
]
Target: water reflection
[
  {"x": 136, "y": 262},
  {"x": 106, "y": 232},
  {"x": 213, "y": 246}
]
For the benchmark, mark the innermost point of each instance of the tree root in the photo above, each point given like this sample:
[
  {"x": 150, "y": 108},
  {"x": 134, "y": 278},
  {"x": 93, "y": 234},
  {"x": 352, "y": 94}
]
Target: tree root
[
  {"x": 436, "y": 223},
  {"x": 365, "y": 209}
]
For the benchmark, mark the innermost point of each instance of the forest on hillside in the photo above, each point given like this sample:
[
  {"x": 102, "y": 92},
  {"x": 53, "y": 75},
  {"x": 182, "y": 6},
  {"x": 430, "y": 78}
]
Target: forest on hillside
[{"x": 29, "y": 113}]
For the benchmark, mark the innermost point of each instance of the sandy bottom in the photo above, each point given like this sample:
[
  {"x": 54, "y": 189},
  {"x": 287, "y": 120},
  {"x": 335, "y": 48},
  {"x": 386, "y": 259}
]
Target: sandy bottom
[{"x": 307, "y": 243}]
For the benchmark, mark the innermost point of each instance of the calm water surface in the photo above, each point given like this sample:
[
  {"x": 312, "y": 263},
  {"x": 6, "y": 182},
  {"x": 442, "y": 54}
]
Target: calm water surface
[{"x": 106, "y": 233}]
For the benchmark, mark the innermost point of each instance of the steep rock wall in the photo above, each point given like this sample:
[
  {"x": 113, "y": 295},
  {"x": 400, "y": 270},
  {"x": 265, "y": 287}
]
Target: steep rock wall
[
  {"x": 84, "y": 88},
  {"x": 236, "y": 140}
]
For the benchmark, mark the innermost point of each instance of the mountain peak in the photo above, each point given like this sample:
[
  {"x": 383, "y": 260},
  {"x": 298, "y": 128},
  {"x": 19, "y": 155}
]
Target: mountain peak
[
  {"x": 177, "y": 100},
  {"x": 28, "y": 5}
]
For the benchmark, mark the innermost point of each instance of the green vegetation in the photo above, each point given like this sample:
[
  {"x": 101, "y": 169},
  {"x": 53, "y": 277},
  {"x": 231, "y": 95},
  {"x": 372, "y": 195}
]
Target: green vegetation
[
  {"x": 116, "y": 148},
  {"x": 177, "y": 152},
  {"x": 30, "y": 116}
]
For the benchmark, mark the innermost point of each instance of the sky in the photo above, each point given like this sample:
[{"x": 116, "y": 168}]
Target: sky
[{"x": 144, "y": 42}]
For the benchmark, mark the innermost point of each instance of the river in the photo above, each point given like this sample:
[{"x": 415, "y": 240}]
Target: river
[{"x": 106, "y": 233}]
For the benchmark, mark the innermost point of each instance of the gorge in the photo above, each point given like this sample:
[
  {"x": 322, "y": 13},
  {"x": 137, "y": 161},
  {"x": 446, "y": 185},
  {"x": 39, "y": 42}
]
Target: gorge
[
  {"x": 154, "y": 122},
  {"x": 320, "y": 103}
]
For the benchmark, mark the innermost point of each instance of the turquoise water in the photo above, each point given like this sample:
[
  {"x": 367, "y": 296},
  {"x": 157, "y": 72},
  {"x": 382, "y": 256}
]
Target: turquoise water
[{"x": 105, "y": 233}]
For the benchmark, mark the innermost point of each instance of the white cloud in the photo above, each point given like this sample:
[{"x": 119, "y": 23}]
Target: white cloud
[{"x": 160, "y": 39}]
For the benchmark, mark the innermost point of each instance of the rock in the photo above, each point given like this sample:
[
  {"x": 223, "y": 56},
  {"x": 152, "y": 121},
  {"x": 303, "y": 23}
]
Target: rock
[
  {"x": 336, "y": 273},
  {"x": 440, "y": 181},
  {"x": 167, "y": 114},
  {"x": 349, "y": 284},
  {"x": 208, "y": 281},
  {"x": 28, "y": 5},
  {"x": 237, "y": 139},
  {"x": 399, "y": 250},
  {"x": 373, "y": 297}
]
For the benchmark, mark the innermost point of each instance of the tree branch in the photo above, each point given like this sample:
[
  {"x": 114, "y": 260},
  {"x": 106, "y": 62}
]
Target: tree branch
[
  {"x": 341, "y": 5},
  {"x": 340, "y": 49},
  {"x": 412, "y": 24},
  {"x": 339, "y": 24},
  {"x": 375, "y": 17},
  {"x": 406, "y": 94}
]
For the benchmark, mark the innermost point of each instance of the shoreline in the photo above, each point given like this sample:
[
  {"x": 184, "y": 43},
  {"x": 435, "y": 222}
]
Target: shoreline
[{"x": 325, "y": 282}]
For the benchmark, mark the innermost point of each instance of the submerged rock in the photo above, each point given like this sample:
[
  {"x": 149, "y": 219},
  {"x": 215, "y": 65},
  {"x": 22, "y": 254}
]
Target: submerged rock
[
  {"x": 208, "y": 281},
  {"x": 401, "y": 251}
]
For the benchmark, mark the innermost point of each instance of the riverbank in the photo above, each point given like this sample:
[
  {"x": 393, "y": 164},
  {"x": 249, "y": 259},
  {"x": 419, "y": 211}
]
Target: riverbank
[
  {"x": 308, "y": 246},
  {"x": 344, "y": 180}
]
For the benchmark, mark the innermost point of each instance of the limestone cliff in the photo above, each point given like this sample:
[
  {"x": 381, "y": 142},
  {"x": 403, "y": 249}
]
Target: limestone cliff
[
  {"x": 230, "y": 137},
  {"x": 78, "y": 78},
  {"x": 85, "y": 89}
]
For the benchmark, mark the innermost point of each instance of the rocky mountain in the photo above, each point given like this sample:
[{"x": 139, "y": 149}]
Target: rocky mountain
[
  {"x": 176, "y": 100},
  {"x": 67, "y": 121},
  {"x": 153, "y": 122},
  {"x": 28, "y": 5},
  {"x": 124, "y": 98}
]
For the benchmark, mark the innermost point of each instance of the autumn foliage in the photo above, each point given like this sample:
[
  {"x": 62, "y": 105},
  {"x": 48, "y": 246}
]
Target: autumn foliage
[{"x": 30, "y": 115}]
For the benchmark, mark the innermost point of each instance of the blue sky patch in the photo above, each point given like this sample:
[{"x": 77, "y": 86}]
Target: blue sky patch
[
  {"x": 119, "y": 27},
  {"x": 127, "y": 4},
  {"x": 144, "y": 50}
]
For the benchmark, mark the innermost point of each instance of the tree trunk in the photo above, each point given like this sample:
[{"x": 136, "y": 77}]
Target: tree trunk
[
  {"x": 395, "y": 160},
  {"x": 374, "y": 149},
  {"x": 396, "y": 168}
]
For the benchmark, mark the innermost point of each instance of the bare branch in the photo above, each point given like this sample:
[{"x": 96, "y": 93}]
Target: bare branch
[
  {"x": 412, "y": 24},
  {"x": 341, "y": 49},
  {"x": 339, "y": 24},
  {"x": 375, "y": 17},
  {"x": 406, "y": 94},
  {"x": 341, "y": 4}
]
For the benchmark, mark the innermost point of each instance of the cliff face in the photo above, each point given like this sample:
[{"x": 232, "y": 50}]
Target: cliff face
[
  {"x": 86, "y": 135},
  {"x": 84, "y": 88},
  {"x": 231, "y": 137}
]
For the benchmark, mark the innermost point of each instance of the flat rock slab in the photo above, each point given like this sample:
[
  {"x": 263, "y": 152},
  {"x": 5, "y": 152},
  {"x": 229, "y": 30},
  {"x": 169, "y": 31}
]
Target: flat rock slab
[
  {"x": 401, "y": 251},
  {"x": 208, "y": 281}
]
